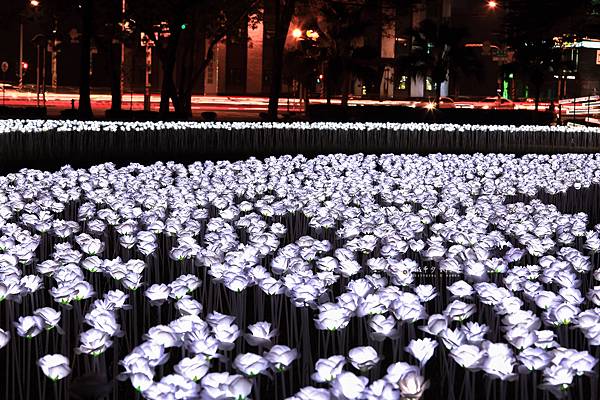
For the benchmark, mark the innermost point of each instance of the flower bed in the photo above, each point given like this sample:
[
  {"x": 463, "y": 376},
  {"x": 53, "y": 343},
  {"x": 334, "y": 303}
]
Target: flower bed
[
  {"x": 344, "y": 277},
  {"x": 47, "y": 144}
]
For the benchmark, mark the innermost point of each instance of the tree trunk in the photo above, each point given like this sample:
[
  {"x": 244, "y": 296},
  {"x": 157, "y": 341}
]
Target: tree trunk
[
  {"x": 85, "y": 106},
  {"x": 168, "y": 91},
  {"x": 538, "y": 92},
  {"x": 438, "y": 93},
  {"x": 198, "y": 73},
  {"x": 346, "y": 85},
  {"x": 115, "y": 77},
  {"x": 306, "y": 97},
  {"x": 283, "y": 18}
]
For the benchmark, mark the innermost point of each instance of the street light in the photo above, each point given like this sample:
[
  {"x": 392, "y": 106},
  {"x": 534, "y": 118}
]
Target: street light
[
  {"x": 492, "y": 5},
  {"x": 34, "y": 4},
  {"x": 297, "y": 33}
]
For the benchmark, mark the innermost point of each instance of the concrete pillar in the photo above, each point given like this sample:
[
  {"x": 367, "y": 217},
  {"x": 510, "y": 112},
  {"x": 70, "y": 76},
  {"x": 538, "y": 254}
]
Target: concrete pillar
[{"x": 254, "y": 68}]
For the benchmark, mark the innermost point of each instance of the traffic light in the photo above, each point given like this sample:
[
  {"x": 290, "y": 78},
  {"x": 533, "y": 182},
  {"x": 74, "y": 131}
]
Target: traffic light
[{"x": 25, "y": 66}]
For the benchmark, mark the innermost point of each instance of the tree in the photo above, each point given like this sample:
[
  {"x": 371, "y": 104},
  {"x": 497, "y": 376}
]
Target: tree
[
  {"x": 187, "y": 24},
  {"x": 344, "y": 26},
  {"x": 438, "y": 52},
  {"x": 531, "y": 27},
  {"x": 301, "y": 66},
  {"x": 537, "y": 61},
  {"x": 283, "y": 12}
]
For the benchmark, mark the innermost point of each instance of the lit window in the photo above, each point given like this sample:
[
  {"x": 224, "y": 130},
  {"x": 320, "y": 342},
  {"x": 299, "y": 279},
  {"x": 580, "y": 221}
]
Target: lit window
[
  {"x": 429, "y": 84},
  {"x": 402, "y": 84}
]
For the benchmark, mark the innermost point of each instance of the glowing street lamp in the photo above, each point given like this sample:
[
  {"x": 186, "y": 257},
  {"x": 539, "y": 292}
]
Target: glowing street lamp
[
  {"x": 297, "y": 33},
  {"x": 34, "y": 3},
  {"x": 492, "y": 5}
]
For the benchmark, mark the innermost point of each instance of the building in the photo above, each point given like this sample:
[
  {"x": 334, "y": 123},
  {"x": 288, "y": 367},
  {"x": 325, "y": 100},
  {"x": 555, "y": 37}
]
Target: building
[{"x": 242, "y": 63}]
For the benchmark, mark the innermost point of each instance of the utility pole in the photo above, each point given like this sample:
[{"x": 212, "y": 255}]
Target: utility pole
[{"x": 53, "y": 59}]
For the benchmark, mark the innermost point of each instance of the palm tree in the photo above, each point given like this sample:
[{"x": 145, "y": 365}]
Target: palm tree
[{"x": 438, "y": 52}]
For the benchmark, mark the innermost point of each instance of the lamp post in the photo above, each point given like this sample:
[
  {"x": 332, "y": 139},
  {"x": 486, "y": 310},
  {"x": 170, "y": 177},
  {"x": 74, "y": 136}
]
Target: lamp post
[
  {"x": 34, "y": 4},
  {"x": 21, "y": 54},
  {"x": 148, "y": 43}
]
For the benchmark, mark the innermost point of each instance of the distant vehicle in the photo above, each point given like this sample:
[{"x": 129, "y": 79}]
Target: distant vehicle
[
  {"x": 496, "y": 103},
  {"x": 445, "y": 102}
]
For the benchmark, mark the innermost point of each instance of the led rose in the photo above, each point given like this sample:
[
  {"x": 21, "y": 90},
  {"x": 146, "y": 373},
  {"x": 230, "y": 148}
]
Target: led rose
[
  {"x": 460, "y": 289},
  {"x": 281, "y": 357},
  {"x": 250, "y": 364},
  {"x": 499, "y": 361},
  {"x": 452, "y": 338},
  {"x": 520, "y": 337},
  {"x": 4, "y": 337},
  {"x": 312, "y": 393},
  {"x": 558, "y": 377},
  {"x": 215, "y": 385},
  {"x": 91, "y": 247},
  {"x": 459, "y": 311},
  {"x": 467, "y": 356},
  {"x": 533, "y": 359},
  {"x": 260, "y": 334},
  {"x": 164, "y": 335},
  {"x": 29, "y": 326},
  {"x": 94, "y": 342},
  {"x": 381, "y": 389},
  {"x": 425, "y": 293},
  {"x": 383, "y": 328},
  {"x": 407, "y": 311},
  {"x": 561, "y": 314},
  {"x": 117, "y": 298},
  {"x": 154, "y": 353},
  {"x": 226, "y": 335},
  {"x": 50, "y": 317},
  {"x": 474, "y": 332},
  {"x": 412, "y": 385},
  {"x": 328, "y": 368},
  {"x": 363, "y": 358},
  {"x": 55, "y": 366},
  {"x": 238, "y": 387},
  {"x": 157, "y": 293},
  {"x": 188, "y": 306},
  {"x": 422, "y": 350},
  {"x": 347, "y": 386},
  {"x": 545, "y": 339},
  {"x": 435, "y": 324},
  {"x": 193, "y": 368},
  {"x": 332, "y": 317}
]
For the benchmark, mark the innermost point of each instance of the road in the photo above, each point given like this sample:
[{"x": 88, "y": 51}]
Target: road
[{"x": 229, "y": 107}]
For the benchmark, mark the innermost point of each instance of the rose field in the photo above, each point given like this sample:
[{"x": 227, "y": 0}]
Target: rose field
[{"x": 374, "y": 270}]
